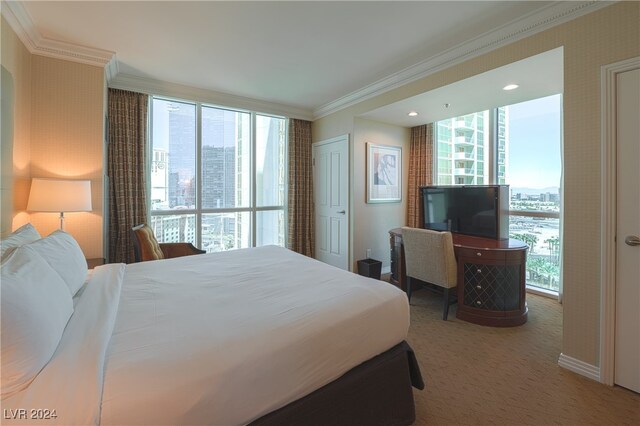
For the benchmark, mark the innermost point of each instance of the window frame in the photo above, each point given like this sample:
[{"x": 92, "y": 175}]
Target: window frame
[{"x": 199, "y": 211}]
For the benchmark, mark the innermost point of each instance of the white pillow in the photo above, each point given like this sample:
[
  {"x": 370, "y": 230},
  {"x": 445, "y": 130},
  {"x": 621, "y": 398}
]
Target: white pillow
[
  {"x": 65, "y": 256},
  {"x": 35, "y": 308},
  {"x": 23, "y": 235}
]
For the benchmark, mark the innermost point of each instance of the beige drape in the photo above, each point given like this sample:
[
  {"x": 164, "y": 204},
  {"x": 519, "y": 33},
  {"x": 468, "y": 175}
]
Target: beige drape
[
  {"x": 420, "y": 171},
  {"x": 301, "y": 236},
  {"x": 127, "y": 123}
]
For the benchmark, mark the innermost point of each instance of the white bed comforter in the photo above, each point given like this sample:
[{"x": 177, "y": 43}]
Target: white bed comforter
[{"x": 216, "y": 339}]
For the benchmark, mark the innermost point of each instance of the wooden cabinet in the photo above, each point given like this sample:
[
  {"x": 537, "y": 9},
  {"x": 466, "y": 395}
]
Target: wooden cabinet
[
  {"x": 491, "y": 281},
  {"x": 491, "y": 278}
]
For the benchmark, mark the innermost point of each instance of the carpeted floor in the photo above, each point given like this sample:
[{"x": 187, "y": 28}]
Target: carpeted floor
[{"x": 479, "y": 375}]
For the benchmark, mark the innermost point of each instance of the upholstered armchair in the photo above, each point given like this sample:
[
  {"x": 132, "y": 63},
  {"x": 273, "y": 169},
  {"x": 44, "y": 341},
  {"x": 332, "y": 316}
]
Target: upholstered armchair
[
  {"x": 146, "y": 247},
  {"x": 429, "y": 257}
]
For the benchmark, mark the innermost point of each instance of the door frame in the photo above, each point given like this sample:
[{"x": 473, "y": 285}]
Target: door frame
[
  {"x": 349, "y": 190},
  {"x": 609, "y": 148}
]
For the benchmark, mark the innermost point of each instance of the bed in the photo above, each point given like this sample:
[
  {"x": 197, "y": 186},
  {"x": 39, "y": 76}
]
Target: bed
[{"x": 259, "y": 336}]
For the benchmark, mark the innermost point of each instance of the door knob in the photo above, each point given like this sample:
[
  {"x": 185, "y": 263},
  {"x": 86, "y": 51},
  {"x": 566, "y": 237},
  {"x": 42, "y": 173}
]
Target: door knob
[
  {"x": 341, "y": 212},
  {"x": 632, "y": 240}
]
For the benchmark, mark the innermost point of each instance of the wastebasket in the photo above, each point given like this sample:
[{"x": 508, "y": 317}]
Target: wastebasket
[{"x": 370, "y": 268}]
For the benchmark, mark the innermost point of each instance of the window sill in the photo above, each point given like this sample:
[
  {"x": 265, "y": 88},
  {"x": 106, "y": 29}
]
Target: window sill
[{"x": 542, "y": 292}]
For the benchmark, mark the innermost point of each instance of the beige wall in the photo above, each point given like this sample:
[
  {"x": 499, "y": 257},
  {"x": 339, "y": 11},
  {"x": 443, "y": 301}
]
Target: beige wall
[
  {"x": 17, "y": 60},
  {"x": 370, "y": 222},
  {"x": 67, "y": 140},
  {"x": 606, "y": 36},
  {"x": 59, "y": 133}
]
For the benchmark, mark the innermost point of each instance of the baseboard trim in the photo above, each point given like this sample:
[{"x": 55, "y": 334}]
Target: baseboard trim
[{"x": 579, "y": 367}]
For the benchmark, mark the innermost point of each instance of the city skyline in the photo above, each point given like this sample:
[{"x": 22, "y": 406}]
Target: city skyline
[{"x": 224, "y": 179}]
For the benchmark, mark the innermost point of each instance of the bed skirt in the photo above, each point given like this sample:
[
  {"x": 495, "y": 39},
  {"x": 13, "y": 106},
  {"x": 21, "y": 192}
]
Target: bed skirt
[{"x": 377, "y": 392}]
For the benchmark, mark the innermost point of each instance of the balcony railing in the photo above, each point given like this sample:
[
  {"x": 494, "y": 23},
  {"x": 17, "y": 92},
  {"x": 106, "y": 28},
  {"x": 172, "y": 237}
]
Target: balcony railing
[
  {"x": 463, "y": 140},
  {"x": 464, "y": 171},
  {"x": 541, "y": 232},
  {"x": 464, "y": 125},
  {"x": 468, "y": 156}
]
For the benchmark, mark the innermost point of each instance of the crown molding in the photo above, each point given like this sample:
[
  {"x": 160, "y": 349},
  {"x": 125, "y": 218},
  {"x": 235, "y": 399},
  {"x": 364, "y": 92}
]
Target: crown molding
[
  {"x": 111, "y": 69},
  {"x": 20, "y": 21},
  {"x": 182, "y": 92},
  {"x": 550, "y": 16}
]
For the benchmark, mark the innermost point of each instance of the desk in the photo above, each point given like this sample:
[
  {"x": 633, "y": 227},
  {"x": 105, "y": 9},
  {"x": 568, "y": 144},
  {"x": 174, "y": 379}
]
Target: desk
[{"x": 491, "y": 278}]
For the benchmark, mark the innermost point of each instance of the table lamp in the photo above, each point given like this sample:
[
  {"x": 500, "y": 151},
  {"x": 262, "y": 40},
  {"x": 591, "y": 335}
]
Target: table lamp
[{"x": 59, "y": 195}]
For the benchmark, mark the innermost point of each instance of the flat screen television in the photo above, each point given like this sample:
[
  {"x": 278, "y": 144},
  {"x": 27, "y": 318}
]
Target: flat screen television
[{"x": 479, "y": 210}]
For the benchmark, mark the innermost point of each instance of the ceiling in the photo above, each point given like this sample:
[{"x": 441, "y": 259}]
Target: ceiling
[
  {"x": 537, "y": 76},
  {"x": 303, "y": 59},
  {"x": 301, "y": 54}
]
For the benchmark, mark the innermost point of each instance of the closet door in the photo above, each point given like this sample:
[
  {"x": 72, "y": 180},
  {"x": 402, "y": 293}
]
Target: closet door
[{"x": 627, "y": 336}]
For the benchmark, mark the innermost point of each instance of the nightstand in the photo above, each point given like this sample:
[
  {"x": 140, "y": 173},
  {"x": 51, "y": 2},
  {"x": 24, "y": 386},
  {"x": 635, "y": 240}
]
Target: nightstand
[{"x": 92, "y": 263}]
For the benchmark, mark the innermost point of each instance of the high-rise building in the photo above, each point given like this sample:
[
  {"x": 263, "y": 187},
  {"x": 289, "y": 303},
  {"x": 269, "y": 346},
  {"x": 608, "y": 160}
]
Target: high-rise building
[
  {"x": 174, "y": 228},
  {"x": 182, "y": 137},
  {"x": 463, "y": 149},
  {"x": 159, "y": 179},
  {"x": 223, "y": 167},
  {"x": 218, "y": 176},
  {"x": 462, "y": 146},
  {"x": 502, "y": 156}
]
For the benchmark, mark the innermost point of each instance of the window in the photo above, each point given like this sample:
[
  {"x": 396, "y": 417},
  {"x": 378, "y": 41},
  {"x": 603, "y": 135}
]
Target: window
[
  {"x": 518, "y": 145},
  {"x": 532, "y": 168},
  {"x": 219, "y": 184}
]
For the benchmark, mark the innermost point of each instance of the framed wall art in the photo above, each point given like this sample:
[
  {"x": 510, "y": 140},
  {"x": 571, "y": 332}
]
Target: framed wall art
[{"x": 384, "y": 174}]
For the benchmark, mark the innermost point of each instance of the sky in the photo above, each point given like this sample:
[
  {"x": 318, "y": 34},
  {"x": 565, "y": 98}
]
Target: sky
[{"x": 534, "y": 143}]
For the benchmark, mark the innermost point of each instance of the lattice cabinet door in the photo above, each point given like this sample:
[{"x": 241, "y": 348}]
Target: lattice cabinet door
[{"x": 492, "y": 287}]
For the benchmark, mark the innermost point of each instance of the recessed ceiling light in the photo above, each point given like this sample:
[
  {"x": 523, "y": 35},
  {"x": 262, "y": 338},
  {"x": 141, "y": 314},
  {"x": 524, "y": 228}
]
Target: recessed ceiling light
[
  {"x": 412, "y": 114},
  {"x": 510, "y": 87}
]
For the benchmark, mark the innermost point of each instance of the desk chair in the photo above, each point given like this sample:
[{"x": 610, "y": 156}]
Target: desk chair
[
  {"x": 146, "y": 247},
  {"x": 429, "y": 257}
]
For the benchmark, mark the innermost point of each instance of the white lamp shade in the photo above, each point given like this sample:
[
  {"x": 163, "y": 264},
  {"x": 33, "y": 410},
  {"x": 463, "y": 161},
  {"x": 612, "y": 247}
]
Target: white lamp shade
[{"x": 57, "y": 195}]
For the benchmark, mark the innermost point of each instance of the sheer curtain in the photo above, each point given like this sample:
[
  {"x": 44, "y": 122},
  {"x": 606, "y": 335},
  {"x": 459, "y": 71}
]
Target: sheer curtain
[
  {"x": 301, "y": 235},
  {"x": 126, "y": 167},
  {"x": 420, "y": 171}
]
